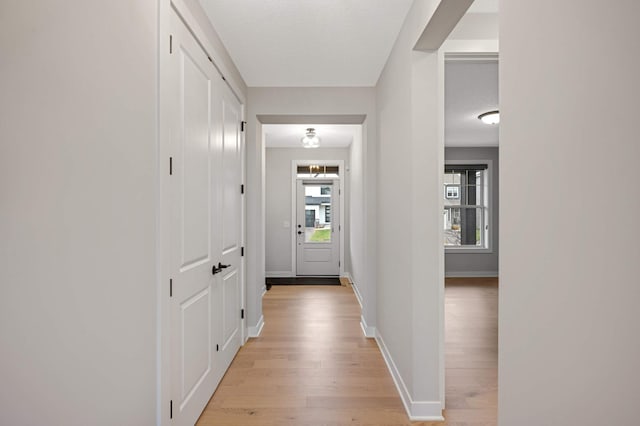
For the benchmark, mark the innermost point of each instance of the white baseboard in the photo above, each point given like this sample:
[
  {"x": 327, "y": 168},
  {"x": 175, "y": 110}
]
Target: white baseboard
[
  {"x": 354, "y": 286},
  {"x": 254, "y": 331},
  {"x": 279, "y": 274},
  {"x": 367, "y": 330},
  {"x": 348, "y": 276},
  {"x": 470, "y": 274},
  {"x": 417, "y": 410}
]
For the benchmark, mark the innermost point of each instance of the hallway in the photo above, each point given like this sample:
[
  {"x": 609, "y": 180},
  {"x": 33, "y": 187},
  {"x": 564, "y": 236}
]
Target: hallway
[{"x": 313, "y": 366}]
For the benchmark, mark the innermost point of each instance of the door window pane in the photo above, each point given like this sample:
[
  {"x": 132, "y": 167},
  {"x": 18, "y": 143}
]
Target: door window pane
[{"x": 317, "y": 213}]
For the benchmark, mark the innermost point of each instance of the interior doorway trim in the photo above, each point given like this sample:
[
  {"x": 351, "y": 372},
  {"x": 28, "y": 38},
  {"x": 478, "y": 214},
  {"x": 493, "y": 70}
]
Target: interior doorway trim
[{"x": 341, "y": 216}]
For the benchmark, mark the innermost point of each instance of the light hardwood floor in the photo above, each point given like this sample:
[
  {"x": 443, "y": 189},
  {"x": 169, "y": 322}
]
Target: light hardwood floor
[
  {"x": 471, "y": 351},
  {"x": 312, "y": 365}
]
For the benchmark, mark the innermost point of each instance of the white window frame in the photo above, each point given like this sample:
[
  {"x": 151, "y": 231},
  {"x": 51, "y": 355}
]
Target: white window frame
[{"x": 488, "y": 209}]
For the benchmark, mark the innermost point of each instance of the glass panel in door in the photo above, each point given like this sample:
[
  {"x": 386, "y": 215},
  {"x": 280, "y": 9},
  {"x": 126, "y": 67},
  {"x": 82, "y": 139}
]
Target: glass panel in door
[{"x": 317, "y": 211}]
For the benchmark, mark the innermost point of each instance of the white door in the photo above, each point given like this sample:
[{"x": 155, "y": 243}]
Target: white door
[
  {"x": 193, "y": 244},
  {"x": 318, "y": 228},
  {"x": 205, "y": 227},
  {"x": 229, "y": 167}
]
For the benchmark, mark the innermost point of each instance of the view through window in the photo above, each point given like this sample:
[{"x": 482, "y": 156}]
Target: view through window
[
  {"x": 466, "y": 194},
  {"x": 317, "y": 213}
]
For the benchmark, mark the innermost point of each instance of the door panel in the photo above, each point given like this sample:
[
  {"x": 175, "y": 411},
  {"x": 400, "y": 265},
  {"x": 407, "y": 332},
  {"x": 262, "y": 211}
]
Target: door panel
[
  {"x": 196, "y": 341},
  {"x": 231, "y": 319},
  {"x": 192, "y": 193},
  {"x": 318, "y": 236},
  {"x": 317, "y": 255},
  {"x": 230, "y": 168},
  {"x": 196, "y": 185}
]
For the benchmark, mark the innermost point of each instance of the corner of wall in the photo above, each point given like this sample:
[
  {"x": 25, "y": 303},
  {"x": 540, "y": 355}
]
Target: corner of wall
[
  {"x": 416, "y": 410},
  {"x": 255, "y": 330}
]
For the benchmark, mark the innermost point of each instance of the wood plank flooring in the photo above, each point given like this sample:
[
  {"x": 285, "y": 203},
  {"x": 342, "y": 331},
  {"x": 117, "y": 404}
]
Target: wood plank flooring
[
  {"x": 312, "y": 366},
  {"x": 471, "y": 351}
]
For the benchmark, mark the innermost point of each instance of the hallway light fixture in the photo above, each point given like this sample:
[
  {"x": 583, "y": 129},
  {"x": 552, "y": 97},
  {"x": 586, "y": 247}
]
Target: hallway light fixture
[
  {"x": 311, "y": 140},
  {"x": 490, "y": 117}
]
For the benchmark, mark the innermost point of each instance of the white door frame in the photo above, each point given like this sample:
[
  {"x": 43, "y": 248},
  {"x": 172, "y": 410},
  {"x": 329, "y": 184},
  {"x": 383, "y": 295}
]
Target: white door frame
[{"x": 294, "y": 184}]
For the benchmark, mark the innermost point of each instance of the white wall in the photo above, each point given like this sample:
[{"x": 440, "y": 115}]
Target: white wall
[
  {"x": 357, "y": 250},
  {"x": 78, "y": 190},
  {"x": 278, "y": 203},
  {"x": 322, "y": 103},
  {"x": 461, "y": 264},
  {"x": 569, "y": 340},
  {"x": 476, "y": 26},
  {"x": 411, "y": 255}
]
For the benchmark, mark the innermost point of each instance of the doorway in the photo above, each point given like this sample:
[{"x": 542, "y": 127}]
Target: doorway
[
  {"x": 469, "y": 196},
  {"x": 318, "y": 227},
  {"x": 309, "y": 191}
]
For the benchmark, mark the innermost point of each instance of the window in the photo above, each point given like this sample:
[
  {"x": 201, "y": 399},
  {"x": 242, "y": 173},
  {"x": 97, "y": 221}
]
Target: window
[
  {"x": 327, "y": 213},
  {"x": 452, "y": 191},
  {"x": 317, "y": 171},
  {"x": 466, "y": 206}
]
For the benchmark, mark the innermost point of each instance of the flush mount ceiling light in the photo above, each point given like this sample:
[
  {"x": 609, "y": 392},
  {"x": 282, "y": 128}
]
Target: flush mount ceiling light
[
  {"x": 490, "y": 117},
  {"x": 311, "y": 140}
]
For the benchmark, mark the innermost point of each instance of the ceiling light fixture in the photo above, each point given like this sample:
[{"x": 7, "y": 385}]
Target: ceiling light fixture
[
  {"x": 311, "y": 140},
  {"x": 490, "y": 117}
]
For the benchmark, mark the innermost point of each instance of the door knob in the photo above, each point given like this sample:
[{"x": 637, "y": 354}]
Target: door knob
[
  {"x": 299, "y": 232},
  {"x": 221, "y": 266}
]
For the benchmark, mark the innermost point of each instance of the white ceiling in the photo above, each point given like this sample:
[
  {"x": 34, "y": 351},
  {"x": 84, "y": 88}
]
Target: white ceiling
[
  {"x": 289, "y": 135},
  {"x": 471, "y": 88},
  {"x": 343, "y": 43},
  {"x": 308, "y": 43}
]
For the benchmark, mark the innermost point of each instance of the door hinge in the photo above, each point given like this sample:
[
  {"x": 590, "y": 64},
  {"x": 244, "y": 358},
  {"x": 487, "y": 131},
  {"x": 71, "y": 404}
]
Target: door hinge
[
  {"x": 241, "y": 251},
  {"x": 170, "y": 44},
  {"x": 217, "y": 348},
  {"x": 170, "y": 165},
  {"x": 171, "y": 409},
  {"x": 242, "y": 189},
  {"x": 241, "y": 313},
  {"x": 242, "y": 125},
  {"x": 170, "y": 287}
]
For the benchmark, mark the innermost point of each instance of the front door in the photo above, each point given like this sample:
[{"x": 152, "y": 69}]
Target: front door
[{"x": 318, "y": 229}]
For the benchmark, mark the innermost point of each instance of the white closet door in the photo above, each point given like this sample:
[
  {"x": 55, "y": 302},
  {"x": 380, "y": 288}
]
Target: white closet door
[
  {"x": 229, "y": 228},
  {"x": 194, "y": 245}
]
